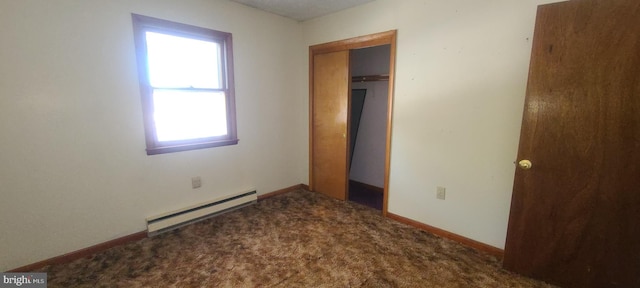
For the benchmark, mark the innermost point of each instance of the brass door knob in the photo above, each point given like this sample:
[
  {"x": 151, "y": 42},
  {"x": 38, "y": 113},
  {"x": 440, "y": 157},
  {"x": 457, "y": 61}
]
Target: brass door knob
[{"x": 525, "y": 164}]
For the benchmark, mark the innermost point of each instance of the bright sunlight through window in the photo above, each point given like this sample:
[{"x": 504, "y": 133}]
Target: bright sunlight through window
[
  {"x": 188, "y": 115},
  {"x": 178, "y": 62},
  {"x": 186, "y": 84},
  {"x": 181, "y": 63}
]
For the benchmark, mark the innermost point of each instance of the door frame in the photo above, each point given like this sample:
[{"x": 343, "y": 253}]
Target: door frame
[{"x": 371, "y": 40}]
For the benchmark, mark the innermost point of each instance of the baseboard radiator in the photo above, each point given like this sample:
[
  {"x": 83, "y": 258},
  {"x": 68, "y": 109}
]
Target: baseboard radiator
[{"x": 185, "y": 216}]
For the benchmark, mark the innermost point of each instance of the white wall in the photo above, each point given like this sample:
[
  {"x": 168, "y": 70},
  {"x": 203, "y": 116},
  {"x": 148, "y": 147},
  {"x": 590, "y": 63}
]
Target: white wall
[
  {"x": 367, "y": 165},
  {"x": 460, "y": 83},
  {"x": 73, "y": 169}
]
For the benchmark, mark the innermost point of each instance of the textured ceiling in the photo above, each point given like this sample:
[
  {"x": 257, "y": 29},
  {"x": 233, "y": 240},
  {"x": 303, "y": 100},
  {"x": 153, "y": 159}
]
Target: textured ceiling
[{"x": 302, "y": 10}]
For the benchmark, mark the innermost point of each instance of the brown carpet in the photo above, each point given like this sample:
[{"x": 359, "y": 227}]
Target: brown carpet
[{"x": 299, "y": 239}]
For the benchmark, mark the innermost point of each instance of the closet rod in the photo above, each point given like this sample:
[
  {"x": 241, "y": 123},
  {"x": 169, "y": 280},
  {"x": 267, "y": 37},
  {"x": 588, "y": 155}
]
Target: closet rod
[{"x": 370, "y": 78}]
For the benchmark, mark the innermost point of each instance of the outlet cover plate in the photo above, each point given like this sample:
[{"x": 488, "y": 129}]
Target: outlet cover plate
[
  {"x": 196, "y": 182},
  {"x": 441, "y": 192}
]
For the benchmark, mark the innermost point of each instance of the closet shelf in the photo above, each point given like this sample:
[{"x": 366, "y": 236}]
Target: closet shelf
[{"x": 370, "y": 78}]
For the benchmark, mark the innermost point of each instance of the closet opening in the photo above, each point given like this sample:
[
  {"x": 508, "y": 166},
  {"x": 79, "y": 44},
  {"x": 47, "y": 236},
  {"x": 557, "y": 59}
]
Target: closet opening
[{"x": 368, "y": 124}]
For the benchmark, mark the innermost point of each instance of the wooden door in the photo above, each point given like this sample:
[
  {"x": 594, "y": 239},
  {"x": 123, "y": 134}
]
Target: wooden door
[
  {"x": 575, "y": 215},
  {"x": 329, "y": 123}
]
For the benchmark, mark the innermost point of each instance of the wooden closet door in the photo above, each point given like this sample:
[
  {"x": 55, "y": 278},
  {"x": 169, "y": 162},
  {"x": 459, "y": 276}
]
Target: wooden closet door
[
  {"x": 575, "y": 214},
  {"x": 329, "y": 123}
]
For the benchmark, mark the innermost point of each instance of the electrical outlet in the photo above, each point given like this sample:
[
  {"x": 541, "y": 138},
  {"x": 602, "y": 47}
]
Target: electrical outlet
[
  {"x": 196, "y": 182},
  {"x": 441, "y": 192}
]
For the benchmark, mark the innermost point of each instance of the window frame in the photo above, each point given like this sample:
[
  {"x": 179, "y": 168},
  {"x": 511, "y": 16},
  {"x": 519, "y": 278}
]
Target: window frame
[{"x": 143, "y": 24}]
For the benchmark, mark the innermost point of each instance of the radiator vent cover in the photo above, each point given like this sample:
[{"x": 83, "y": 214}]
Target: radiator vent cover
[{"x": 176, "y": 219}]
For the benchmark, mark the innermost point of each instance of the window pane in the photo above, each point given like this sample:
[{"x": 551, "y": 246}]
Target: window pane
[
  {"x": 178, "y": 62},
  {"x": 183, "y": 115}
]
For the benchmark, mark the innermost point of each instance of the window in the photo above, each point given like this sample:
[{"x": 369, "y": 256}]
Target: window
[{"x": 186, "y": 83}]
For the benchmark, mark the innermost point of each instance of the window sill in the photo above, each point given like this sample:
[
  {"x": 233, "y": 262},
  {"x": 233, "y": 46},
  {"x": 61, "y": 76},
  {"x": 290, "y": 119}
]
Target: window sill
[{"x": 187, "y": 147}]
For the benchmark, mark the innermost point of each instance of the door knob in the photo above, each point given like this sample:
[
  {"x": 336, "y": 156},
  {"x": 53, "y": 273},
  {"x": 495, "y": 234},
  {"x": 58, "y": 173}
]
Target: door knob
[{"x": 525, "y": 164}]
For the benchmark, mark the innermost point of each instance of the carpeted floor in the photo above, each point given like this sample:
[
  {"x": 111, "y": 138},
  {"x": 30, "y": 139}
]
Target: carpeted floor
[{"x": 299, "y": 239}]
